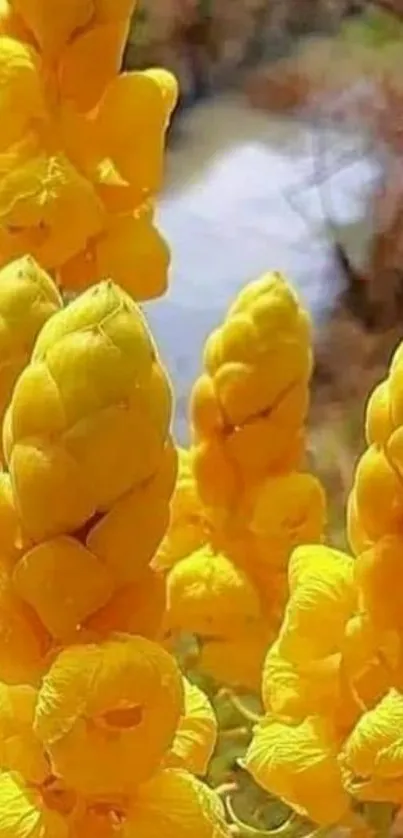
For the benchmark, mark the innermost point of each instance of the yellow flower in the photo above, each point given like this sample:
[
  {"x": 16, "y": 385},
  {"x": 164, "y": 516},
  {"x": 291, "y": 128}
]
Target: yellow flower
[
  {"x": 24, "y": 813},
  {"x": 196, "y": 736},
  {"x": 174, "y": 804},
  {"x": 64, "y": 583},
  {"x": 12, "y": 539},
  {"x": 209, "y": 596},
  {"x": 100, "y": 706},
  {"x": 372, "y": 758},
  {"x": 322, "y": 599},
  {"x": 94, "y": 385},
  {"x": 299, "y": 764}
]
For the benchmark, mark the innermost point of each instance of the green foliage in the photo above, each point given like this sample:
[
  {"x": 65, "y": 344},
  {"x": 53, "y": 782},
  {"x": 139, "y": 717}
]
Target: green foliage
[{"x": 376, "y": 29}]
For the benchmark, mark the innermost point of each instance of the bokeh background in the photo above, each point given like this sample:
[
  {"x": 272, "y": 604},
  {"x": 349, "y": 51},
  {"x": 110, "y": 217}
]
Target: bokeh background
[{"x": 285, "y": 153}]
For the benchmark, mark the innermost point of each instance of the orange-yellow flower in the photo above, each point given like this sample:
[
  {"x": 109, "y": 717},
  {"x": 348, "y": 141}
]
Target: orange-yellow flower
[
  {"x": 20, "y": 750},
  {"x": 25, "y": 813},
  {"x": 100, "y": 706}
]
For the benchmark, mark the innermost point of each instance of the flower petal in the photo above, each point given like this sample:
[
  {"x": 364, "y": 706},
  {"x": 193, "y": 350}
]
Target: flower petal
[
  {"x": 196, "y": 736},
  {"x": 64, "y": 583},
  {"x": 23, "y": 815},
  {"x": 293, "y": 762}
]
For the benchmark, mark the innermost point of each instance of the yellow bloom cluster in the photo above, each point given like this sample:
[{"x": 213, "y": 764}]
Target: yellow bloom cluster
[
  {"x": 242, "y": 503},
  {"x": 100, "y": 735},
  {"x": 333, "y": 679},
  {"x": 81, "y": 147}
]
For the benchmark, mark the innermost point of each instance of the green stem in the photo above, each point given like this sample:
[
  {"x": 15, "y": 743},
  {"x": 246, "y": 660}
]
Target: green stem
[
  {"x": 244, "y": 830},
  {"x": 240, "y": 707},
  {"x": 380, "y": 817}
]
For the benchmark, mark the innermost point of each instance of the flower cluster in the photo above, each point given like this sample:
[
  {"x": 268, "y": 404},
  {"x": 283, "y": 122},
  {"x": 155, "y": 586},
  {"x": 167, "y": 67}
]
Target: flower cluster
[
  {"x": 81, "y": 147},
  {"x": 100, "y": 735},
  {"x": 332, "y": 680},
  {"x": 242, "y": 501}
]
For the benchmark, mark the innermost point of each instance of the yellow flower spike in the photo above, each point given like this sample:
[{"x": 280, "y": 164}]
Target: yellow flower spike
[
  {"x": 24, "y": 641},
  {"x": 209, "y": 596},
  {"x": 238, "y": 660},
  {"x": 100, "y": 706},
  {"x": 24, "y": 813},
  {"x": 196, "y": 736},
  {"x": 22, "y": 103},
  {"x": 47, "y": 207},
  {"x": 135, "y": 609},
  {"x": 299, "y": 764},
  {"x": 96, "y": 368},
  {"x": 20, "y": 750},
  {"x": 174, "y": 804},
  {"x": 64, "y": 583},
  {"x": 127, "y": 538},
  {"x": 288, "y": 510},
  {"x": 28, "y": 298},
  {"x": 239, "y": 365},
  {"x": 322, "y": 599},
  {"x": 372, "y": 758}
]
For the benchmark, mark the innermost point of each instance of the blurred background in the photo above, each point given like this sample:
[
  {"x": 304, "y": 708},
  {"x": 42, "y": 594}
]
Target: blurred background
[{"x": 285, "y": 153}]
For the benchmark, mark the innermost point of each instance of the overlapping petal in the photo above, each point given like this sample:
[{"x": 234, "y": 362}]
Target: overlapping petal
[{"x": 196, "y": 736}]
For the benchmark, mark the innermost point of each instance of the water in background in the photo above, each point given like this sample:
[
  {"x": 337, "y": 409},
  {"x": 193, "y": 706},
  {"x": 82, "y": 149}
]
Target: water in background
[{"x": 243, "y": 197}]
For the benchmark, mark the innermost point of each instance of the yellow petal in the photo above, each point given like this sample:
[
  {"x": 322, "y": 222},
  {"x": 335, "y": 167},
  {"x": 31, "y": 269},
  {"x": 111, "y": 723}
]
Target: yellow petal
[
  {"x": 208, "y": 595},
  {"x": 322, "y": 599},
  {"x": 64, "y": 583},
  {"x": 102, "y": 47},
  {"x": 23, "y": 640},
  {"x": 20, "y": 750},
  {"x": 373, "y": 754},
  {"x": 136, "y": 256},
  {"x": 294, "y": 763},
  {"x": 175, "y": 805},
  {"x": 131, "y": 691},
  {"x": 135, "y": 609},
  {"x": 23, "y": 814},
  {"x": 289, "y": 510},
  {"x": 196, "y": 736},
  {"x": 22, "y": 98},
  {"x": 52, "y": 31},
  {"x": 47, "y": 207}
]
